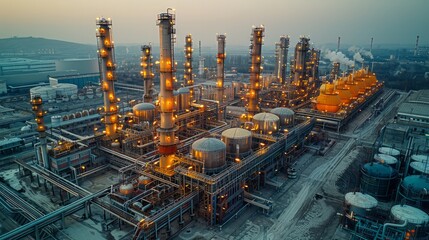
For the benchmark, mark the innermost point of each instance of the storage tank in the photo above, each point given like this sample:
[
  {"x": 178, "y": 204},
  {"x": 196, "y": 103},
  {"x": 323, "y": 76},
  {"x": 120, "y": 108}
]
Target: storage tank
[
  {"x": 212, "y": 152},
  {"x": 184, "y": 98},
  {"x": 420, "y": 167},
  {"x": 420, "y": 158},
  {"x": 144, "y": 112},
  {"x": 45, "y": 92},
  {"x": 265, "y": 123},
  {"x": 417, "y": 219},
  {"x": 143, "y": 180},
  {"x": 360, "y": 203},
  {"x": 328, "y": 100},
  {"x": 389, "y": 151},
  {"x": 65, "y": 89},
  {"x": 387, "y": 159},
  {"x": 56, "y": 119},
  {"x": 415, "y": 190},
  {"x": 285, "y": 115},
  {"x": 378, "y": 180},
  {"x": 126, "y": 189},
  {"x": 238, "y": 142},
  {"x": 176, "y": 101}
]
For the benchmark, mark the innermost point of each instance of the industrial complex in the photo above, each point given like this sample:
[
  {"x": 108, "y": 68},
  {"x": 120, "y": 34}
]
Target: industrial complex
[{"x": 186, "y": 155}]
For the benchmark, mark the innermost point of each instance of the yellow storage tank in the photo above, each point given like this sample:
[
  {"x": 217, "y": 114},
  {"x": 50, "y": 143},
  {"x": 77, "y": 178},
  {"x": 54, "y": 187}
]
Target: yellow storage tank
[
  {"x": 343, "y": 91},
  {"x": 354, "y": 88},
  {"x": 328, "y": 100}
]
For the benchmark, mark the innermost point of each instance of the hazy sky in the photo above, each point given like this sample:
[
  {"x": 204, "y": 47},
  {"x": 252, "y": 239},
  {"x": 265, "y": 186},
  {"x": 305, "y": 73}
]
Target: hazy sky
[{"x": 134, "y": 21}]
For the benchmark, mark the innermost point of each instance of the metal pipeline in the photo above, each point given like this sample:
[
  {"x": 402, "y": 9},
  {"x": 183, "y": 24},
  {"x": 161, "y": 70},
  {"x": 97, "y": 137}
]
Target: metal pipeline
[{"x": 392, "y": 225}]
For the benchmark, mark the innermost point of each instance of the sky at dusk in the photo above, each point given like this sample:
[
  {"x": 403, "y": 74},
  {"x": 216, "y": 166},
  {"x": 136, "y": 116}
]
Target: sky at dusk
[{"x": 134, "y": 21}]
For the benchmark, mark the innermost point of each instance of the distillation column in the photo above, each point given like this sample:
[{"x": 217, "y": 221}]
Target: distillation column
[
  {"x": 335, "y": 71},
  {"x": 147, "y": 73},
  {"x": 314, "y": 72},
  {"x": 188, "y": 76},
  {"x": 167, "y": 143},
  {"x": 106, "y": 61},
  {"x": 282, "y": 48},
  {"x": 255, "y": 71},
  {"x": 220, "y": 68},
  {"x": 41, "y": 149},
  {"x": 200, "y": 61}
]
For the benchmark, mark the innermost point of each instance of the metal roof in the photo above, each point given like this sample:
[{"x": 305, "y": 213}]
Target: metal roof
[
  {"x": 420, "y": 166},
  {"x": 389, "y": 151},
  {"x": 379, "y": 170},
  {"x": 384, "y": 158},
  {"x": 420, "y": 158},
  {"x": 411, "y": 214},
  {"x": 414, "y": 109},
  {"x": 269, "y": 117},
  {"x": 416, "y": 183},
  {"x": 143, "y": 106},
  {"x": 208, "y": 145},
  {"x": 361, "y": 200},
  {"x": 282, "y": 111},
  {"x": 236, "y": 133}
]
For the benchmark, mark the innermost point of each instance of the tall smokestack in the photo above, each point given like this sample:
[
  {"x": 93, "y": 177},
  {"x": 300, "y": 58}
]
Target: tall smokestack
[
  {"x": 416, "y": 49},
  {"x": 106, "y": 61},
  {"x": 338, "y": 44},
  {"x": 220, "y": 68},
  {"x": 370, "y": 48},
  {"x": 147, "y": 73},
  {"x": 188, "y": 76},
  {"x": 255, "y": 70},
  {"x": 41, "y": 149},
  {"x": 281, "y": 59},
  {"x": 300, "y": 63},
  {"x": 167, "y": 143}
]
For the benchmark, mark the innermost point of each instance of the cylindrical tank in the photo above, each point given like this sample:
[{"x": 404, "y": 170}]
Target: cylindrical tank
[
  {"x": 92, "y": 111},
  {"x": 414, "y": 216},
  {"x": 387, "y": 159},
  {"x": 415, "y": 190},
  {"x": 144, "y": 112},
  {"x": 212, "y": 152},
  {"x": 378, "y": 180},
  {"x": 184, "y": 95},
  {"x": 78, "y": 114},
  {"x": 266, "y": 123},
  {"x": 56, "y": 119},
  {"x": 143, "y": 180},
  {"x": 65, "y": 89},
  {"x": 126, "y": 189},
  {"x": 85, "y": 113},
  {"x": 176, "y": 101},
  {"x": 238, "y": 141},
  {"x": 389, "y": 151},
  {"x": 45, "y": 92},
  {"x": 328, "y": 100},
  {"x": 420, "y": 167},
  {"x": 420, "y": 158},
  {"x": 360, "y": 203},
  {"x": 285, "y": 115}
]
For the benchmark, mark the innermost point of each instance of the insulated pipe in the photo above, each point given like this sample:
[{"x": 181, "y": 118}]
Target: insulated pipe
[
  {"x": 255, "y": 71},
  {"x": 392, "y": 225},
  {"x": 106, "y": 61},
  {"x": 220, "y": 68},
  {"x": 188, "y": 76},
  {"x": 167, "y": 144},
  {"x": 147, "y": 73}
]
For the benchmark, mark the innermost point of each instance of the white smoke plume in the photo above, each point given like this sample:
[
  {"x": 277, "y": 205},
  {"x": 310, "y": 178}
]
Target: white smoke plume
[
  {"x": 363, "y": 52},
  {"x": 358, "y": 58},
  {"x": 337, "y": 57}
]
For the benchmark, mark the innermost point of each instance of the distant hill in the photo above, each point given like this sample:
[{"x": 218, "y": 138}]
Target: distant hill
[{"x": 44, "y": 48}]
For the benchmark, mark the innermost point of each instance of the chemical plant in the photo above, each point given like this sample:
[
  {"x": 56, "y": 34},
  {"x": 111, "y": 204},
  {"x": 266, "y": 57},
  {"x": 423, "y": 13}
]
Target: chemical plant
[{"x": 192, "y": 156}]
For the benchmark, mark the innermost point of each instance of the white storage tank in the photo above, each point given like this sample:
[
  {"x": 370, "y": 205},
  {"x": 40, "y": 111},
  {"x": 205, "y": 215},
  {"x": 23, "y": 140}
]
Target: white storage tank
[
  {"x": 210, "y": 151},
  {"x": 416, "y": 219},
  {"x": 265, "y": 123},
  {"x": 389, "y": 151},
  {"x": 126, "y": 189},
  {"x": 360, "y": 203},
  {"x": 45, "y": 92},
  {"x": 56, "y": 119},
  {"x": 420, "y": 158},
  {"x": 387, "y": 159},
  {"x": 286, "y": 116},
  {"x": 144, "y": 112},
  {"x": 420, "y": 167},
  {"x": 238, "y": 141},
  {"x": 65, "y": 89}
]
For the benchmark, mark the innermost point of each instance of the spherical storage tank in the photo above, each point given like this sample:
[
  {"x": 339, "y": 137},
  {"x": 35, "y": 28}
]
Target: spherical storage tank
[
  {"x": 378, "y": 180},
  {"x": 328, "y": 99},
  {"x": 415, "y": 190},
  {"x": 285, "y": 115},
  {"x": 184, "y": 98},
  {"x": 212, "y": 152},
  {"x": 144, "y": 111},
  {"x": 360, "y": 203},
  {"x": 45, "y": 92},
  {"x": 265, "y": 123},
  {"x": 237, "y": 140}
]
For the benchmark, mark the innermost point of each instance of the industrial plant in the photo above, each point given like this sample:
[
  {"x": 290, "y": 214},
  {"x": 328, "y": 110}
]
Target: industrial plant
[{"x": 188, "y": 154}]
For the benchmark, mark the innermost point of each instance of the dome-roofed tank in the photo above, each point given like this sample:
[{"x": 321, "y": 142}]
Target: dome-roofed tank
[
  {"x": 238, "y": 141},
  {"x": 286, "y": 115},
  {"x": 415, "y": 190},
  {"x": 387, "y": 159},
  {"x": 212, "y": 152},
  {"x": 344, "y": 92},
  {"x": 184, "y": 98},
  {"x": 126, "y": 189},
  {"x": 360, "y": 203},
  {"x": 265, "y": 123},
  {"x": 389, "y": 151},
  {"x": 412, "y": 215},
  {"x": 144, "y": 112},
  {"x": 328, "y": 100},
  {"x": 378, "y": 180},
  {"x": 420, "y": 158},
  {"x": 143, "y": 180}
]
